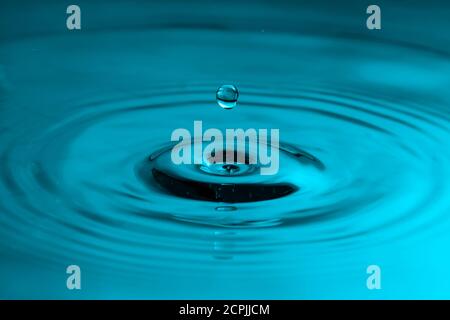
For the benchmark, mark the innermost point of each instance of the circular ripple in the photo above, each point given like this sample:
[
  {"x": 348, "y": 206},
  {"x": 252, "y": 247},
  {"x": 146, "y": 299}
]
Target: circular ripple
[{"x": 356, "y": 160}]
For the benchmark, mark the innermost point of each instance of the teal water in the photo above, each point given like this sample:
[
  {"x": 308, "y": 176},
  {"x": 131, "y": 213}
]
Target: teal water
[{"x": 364, "y": 150}]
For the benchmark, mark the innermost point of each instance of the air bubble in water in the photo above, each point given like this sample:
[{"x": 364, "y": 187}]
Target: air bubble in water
[{"x": 227, "y": 96}]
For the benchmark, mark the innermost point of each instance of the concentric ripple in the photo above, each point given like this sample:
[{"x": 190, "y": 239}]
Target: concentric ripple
[{"x": 88, "y": 172}]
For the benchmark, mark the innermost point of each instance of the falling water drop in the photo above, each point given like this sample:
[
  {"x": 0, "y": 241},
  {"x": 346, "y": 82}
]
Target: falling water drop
[{"x": 227, "y": 96}]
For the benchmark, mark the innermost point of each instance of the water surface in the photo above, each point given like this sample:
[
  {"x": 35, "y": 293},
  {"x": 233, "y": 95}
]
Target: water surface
[{"x": 364, "y": 151}]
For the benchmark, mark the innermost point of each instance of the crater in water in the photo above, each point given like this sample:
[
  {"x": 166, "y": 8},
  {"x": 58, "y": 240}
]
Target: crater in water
[{"x": 214, "y": 181}]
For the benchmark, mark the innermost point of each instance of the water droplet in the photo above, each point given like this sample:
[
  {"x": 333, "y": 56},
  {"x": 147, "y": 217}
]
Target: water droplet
[{"x": 227, "y": 96}]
